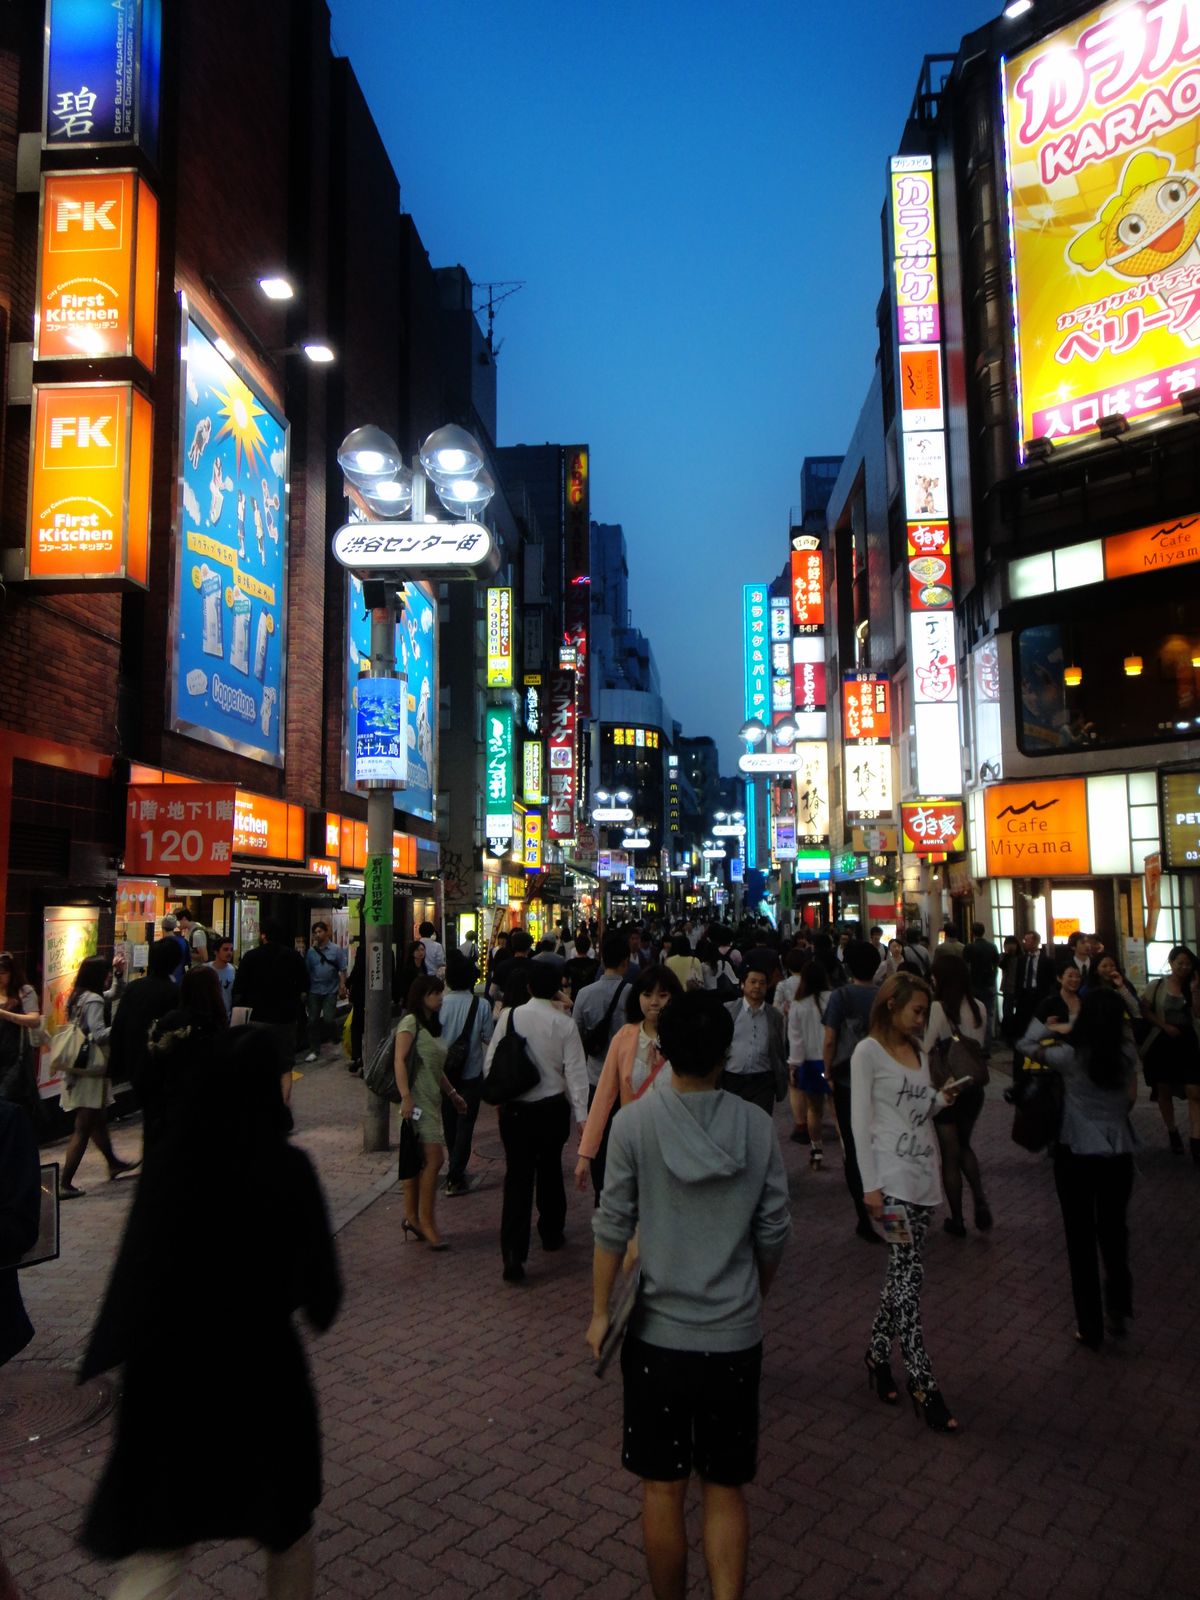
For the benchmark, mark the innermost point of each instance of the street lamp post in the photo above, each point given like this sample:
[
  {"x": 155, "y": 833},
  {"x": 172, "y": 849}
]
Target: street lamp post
[{"x": 383, "y": 490}]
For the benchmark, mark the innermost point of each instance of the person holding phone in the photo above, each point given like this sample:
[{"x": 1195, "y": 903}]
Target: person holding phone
[{"x": 892, "y": 1104}]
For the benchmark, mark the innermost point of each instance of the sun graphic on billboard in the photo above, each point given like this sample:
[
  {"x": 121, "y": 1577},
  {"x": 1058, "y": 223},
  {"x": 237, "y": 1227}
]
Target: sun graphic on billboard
[{"x": 241, "y": 412}]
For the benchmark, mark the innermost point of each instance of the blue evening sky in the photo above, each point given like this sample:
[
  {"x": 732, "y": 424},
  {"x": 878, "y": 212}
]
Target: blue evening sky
[{"x": 692, "y": 194}]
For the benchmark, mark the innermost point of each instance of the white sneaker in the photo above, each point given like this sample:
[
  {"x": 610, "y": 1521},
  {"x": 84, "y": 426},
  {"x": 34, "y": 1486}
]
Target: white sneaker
[{"x": 311, "y": 1056}]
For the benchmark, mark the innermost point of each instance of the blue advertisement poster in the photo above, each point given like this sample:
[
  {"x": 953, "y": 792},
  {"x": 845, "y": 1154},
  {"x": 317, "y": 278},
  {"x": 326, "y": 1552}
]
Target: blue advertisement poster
[
  {"x": 102, "y": 73},
  {"x": 229, "y": 629},
  {"x": 416, "y": 657},
  {"x": 380, "y": 732}
]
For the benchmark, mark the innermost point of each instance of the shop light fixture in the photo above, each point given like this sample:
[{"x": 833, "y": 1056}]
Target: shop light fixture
[
  {"x": 318, "y": 352},
  {"x": 1017, "y": 8},
  {"x": 1133, "y": 666},
  {"x": 785, "y": 731},
  {"x": 391, "y": 497},
  {"x": 1072, "y": 677},
  {"x": 1039, "y": 450},
  {"x": 1196, "y": 658},
  {"x": 1113, "y": 427},
  {"x": 277, "y": 287}
]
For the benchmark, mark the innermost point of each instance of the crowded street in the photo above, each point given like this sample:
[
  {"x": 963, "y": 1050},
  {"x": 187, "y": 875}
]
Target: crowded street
[{"x": 470, "y": 1451}]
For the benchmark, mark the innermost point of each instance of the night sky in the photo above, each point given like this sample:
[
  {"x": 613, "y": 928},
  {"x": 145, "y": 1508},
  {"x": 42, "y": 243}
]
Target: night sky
[{"x": 692, "y": 194}]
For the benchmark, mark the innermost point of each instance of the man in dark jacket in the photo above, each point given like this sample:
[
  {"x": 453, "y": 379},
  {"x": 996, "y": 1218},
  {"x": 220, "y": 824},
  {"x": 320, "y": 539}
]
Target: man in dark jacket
[
  {"x": 143, "y": 1003},
  {"x": 20, "y": 1211},
  {"x": 272, "y": 982}
]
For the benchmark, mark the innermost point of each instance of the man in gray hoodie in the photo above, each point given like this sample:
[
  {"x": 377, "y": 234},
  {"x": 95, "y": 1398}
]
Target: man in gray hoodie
[{"x": 696, "y": 1173}]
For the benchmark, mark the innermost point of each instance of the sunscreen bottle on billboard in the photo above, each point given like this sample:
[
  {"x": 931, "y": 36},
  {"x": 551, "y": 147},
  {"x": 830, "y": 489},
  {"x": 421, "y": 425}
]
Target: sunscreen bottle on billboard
[
  {"x": 210, "y": 600},
  {"x": 239, "y": 648},
  {"x": 261, "y": 639}
]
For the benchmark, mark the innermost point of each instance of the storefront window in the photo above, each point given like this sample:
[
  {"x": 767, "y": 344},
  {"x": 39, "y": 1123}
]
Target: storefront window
[{"x": 1134, "y": 683}]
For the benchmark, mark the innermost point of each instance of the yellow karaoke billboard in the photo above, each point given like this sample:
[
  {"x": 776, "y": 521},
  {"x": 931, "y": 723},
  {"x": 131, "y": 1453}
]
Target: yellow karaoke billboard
[{"x": 1102, "y": 120}]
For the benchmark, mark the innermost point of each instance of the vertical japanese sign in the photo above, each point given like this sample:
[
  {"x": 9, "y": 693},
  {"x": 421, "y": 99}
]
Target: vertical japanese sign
[
  {"x": 867, "y": 748},
  {"x": 808, "y": 584},
  {"x": 498, "y": 771},
  {"x": 532, "y": 775},
  {"x": 97, "y": 267},
  {"x": 866, "y": 708},
  {"x": 533, "y": 841},
  {"x": 754, "y": 635},
  {"x": 499, "y": 639},
  {"x": 560, "y": 817},
  {"x": 89, "y": 484},
  {"x": 919, "y": 381},
  {"x": 230, "y": 614},
  {"x": 1102, "y": 122},
  {"x": 416, "y": 658},
  {"x": 577, "y": 615},
  {"x": 103, "y": 64},
  {"x": 781, "y": 657}
]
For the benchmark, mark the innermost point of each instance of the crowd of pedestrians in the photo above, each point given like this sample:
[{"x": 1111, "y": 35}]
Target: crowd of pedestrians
[{"x": 668, "y": 1049}]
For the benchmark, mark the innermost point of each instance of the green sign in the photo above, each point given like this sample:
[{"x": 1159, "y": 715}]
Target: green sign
[
  {"x": 377, "y": 891},
  {"x": 498, "y": 766}
]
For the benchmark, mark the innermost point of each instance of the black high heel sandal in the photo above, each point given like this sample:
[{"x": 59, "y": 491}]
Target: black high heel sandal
[
  {"x": 931, "y": 1404},
  {"x": 411, "y": 1230},
  {"x": 879, "y": 1378}
]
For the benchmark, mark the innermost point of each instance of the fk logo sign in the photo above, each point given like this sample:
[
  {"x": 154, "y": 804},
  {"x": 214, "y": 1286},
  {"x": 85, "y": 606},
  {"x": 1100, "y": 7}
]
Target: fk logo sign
[
  {"x": 87, "y": 216},
  {"x": 85, "y": 431},
  {"x": 72, "y": 438}
]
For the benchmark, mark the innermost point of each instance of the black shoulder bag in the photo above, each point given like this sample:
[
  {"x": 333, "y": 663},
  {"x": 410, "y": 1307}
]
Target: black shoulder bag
[
  {"x": 459, "y": 1052},
  {"x": 513, "y": 1071},
  {"x": 595, "y": 1040}
]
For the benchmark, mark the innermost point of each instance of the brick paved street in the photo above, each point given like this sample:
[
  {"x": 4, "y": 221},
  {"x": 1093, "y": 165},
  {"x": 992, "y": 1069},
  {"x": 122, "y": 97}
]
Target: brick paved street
[{"x": 470, "y": 1451}]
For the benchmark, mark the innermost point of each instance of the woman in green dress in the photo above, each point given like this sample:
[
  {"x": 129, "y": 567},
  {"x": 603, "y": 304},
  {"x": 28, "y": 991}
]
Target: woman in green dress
[{"x": 421, "y": 1079}]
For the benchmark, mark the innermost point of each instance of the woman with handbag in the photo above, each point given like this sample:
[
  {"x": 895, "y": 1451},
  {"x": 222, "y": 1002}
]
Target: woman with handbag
[
  {"x": 420, "y": 1064},
  {"x": 20, "y": 1029},
  {"x": 892, "y": 1102},
  {"x": 954, "y": 1016},
  {"x": 1093, "y": 1157},
  {"x": 632, "y": 1064},
  {"x": 88, "y": 1092},
  {"x": 1171, "y": 1050}
]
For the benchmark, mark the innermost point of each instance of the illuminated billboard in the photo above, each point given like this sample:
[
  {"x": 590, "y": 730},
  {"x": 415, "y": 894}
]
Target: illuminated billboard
[
  {"x": 808, "y": 584},
  {"x": 499, "y": 639},
  {"x": 1102, "y": 121},
  {"x": 754, "y": 636},
  {"x": 498, "y": 770},
  {"x": 89, "y": 484},
  {"x": 97, "y": 267}
]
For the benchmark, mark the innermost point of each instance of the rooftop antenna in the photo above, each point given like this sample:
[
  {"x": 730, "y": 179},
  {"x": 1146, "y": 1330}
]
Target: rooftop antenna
[{"x": 492, "y": 300}]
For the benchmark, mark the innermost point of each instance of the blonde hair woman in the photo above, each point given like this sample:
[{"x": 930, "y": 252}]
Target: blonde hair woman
[{"x": 892, "y": 1107}]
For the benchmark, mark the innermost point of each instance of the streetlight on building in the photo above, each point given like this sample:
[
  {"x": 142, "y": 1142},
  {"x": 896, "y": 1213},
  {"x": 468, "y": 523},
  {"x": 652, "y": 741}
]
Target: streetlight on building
[{"x": 383, "y": 491}]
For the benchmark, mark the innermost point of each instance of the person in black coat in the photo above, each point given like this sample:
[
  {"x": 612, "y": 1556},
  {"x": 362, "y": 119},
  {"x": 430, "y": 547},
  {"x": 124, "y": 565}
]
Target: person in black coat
[
  {"x": 20, "y": 1211},
  {"x": 142, "y": 1004},
  {"x": 217, "y": 1434}
]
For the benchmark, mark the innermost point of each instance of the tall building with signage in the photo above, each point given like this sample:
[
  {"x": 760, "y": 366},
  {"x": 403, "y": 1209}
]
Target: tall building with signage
[
  {"x": 1014, "y": 525},
  {"x": 189, "y": 340}
]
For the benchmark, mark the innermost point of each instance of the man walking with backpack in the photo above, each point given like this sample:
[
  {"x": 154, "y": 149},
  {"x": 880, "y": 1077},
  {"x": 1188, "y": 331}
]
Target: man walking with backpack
[{"x": 847, "y": 1021}]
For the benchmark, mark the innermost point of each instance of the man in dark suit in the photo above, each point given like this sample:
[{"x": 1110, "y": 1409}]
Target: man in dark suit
[
  {"x": 1036, "y": 979},
  {"x": 757, "y": 1066}
]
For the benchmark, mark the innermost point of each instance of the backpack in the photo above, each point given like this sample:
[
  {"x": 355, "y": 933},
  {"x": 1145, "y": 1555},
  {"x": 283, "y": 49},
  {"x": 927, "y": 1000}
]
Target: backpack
[
  {"x": 1037, "y": 1102},
  {"x": 728, "y": 988},
  {"x": 380, "y": 1073},
  {"x": 459, "y": 1052},
  {"x": 595, "y": 1040},
  {"x": 513, "y": 1071},
  {"x": 851, "y": 1033}
]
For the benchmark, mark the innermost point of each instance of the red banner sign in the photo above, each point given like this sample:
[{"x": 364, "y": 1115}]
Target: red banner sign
[
  {"x": 184, "y": 829},
  {"x": 930, "y": 582},
  {"x": 809, "y": 683},
  {"x": 561, "y": 751},
  {"x": 808, "y": 587},
  {"x": 866, "y": 708},
  {"x": 931, "y": 826}
]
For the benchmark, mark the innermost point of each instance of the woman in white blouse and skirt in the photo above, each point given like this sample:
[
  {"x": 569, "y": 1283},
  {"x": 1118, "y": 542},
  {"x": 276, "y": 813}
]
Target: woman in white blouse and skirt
[{"x": 892, "y": 1105}]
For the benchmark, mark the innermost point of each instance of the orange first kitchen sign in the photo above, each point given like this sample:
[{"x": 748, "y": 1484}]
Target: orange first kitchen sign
[
  {"x": 1037, "y": 830},
  {"x": 89, "y": 483},
  {"x": 98, "y": 267}
]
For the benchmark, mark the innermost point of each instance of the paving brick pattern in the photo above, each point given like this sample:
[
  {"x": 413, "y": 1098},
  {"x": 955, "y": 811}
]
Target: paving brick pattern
[{"x": 469, "y": 1451}]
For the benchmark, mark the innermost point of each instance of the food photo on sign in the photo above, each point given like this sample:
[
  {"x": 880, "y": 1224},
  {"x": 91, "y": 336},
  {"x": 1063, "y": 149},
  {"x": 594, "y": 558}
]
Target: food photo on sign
[{"x": 227, "y": 677}]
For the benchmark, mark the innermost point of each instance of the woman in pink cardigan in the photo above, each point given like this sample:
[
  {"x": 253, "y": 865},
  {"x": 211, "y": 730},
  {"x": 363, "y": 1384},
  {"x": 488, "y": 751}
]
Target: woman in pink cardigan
[{"x": 632, "y": 1064}]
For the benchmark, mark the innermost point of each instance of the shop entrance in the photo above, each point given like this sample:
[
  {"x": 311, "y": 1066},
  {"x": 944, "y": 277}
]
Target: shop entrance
[{"x": 1084, "y": 907}]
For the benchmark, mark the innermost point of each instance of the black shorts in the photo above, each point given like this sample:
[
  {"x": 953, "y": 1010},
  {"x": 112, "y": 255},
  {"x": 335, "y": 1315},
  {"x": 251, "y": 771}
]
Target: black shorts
[{"x": 690, "y": 1408}]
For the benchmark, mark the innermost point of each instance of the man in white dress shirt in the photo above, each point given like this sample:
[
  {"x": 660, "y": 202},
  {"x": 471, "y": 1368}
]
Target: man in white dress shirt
[
  {"x": 757, "y": 1066},
  {"x": 534, "y": 1127}
]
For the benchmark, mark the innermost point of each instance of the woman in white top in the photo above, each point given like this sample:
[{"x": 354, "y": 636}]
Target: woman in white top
[
  {"x": 806, "y": 1068},
  {"x": 892, "y": 1103},
  {"x": 952, "y": 985}
]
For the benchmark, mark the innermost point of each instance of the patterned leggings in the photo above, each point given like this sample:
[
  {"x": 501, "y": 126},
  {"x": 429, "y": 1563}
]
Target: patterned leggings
[{"x": 900, "y": 1304}]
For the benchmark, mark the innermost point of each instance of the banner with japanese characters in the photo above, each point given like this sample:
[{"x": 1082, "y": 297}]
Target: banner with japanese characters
[
  {"x": 1102, "y": 121},
  {"x": 229, "y": 626},
  {"x": 754, "y": 638},
  {"x": 498, "y": 772},
  {"x": 931, "y": 826},
  {"x": 416, "y": 659},
  {"x": 560, "y": 728},
  {"x": 180, "y": 828},
  {"x": 103, "y": 65}
]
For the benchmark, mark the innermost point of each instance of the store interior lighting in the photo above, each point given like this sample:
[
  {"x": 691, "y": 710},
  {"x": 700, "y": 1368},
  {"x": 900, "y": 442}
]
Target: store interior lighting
[
  {"x": 1072, "y": 677},
  {"x": 1133, "y": 666},
  {"x": 277, "y": 288}
]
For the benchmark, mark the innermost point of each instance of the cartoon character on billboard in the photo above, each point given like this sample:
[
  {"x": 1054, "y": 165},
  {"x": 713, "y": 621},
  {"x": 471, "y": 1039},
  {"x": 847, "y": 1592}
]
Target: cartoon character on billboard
[{"x": 1147, "y": 227}]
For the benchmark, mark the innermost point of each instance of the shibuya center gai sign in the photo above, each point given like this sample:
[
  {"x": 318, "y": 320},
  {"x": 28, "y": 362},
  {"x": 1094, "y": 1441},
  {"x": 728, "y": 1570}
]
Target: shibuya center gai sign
[
  {"x": 434, "y": 550},
  {"x": 1102, "y": 121}
]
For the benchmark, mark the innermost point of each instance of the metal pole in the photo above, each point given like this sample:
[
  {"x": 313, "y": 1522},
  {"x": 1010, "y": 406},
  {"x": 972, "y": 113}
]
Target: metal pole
[{"x": 378, "y": 900}]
